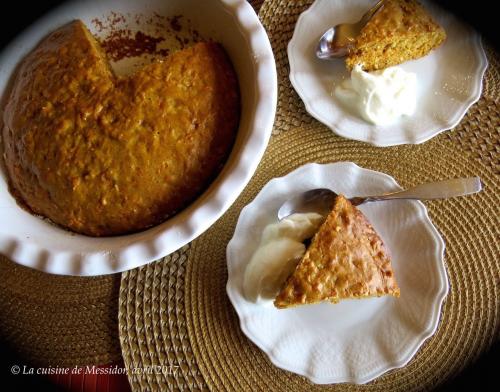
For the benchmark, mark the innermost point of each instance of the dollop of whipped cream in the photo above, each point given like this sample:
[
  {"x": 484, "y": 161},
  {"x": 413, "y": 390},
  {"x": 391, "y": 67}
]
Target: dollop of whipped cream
[
  {"x": 380, "y": 97},
  {"x": 281, "y": 247}
]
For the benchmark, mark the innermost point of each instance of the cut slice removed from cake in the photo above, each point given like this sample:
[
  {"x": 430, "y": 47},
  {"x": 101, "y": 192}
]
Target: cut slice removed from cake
[
  {"x": 345, "y": 259},
  {"x": 401, "y": 30}
]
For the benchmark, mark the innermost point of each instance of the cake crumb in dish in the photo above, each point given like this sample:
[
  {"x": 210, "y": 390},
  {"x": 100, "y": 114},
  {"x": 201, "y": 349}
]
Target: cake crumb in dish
[
  {"x": 401, "y": 30},
  {"x": 106, "y": 155},
  {"x": 346, "y": 259}
]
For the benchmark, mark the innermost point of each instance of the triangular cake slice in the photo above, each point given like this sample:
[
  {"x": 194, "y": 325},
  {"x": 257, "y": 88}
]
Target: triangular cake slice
[
  {"x": 346, "y": 259},
  {"x": 401, "y": 30}
]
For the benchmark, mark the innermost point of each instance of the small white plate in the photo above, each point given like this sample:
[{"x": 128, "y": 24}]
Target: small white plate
[
  {"x": 33, "y": 242},
  {"x": 449, "y": 78},
  {"x": 354, "y": 340}
]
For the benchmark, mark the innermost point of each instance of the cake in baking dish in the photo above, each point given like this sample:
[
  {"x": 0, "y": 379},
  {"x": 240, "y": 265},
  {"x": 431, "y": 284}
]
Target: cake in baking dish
[
  {"x": 400, "y": 30},
  {"x": 105, "y": 155},
  {"x": 345, "y": 259}
]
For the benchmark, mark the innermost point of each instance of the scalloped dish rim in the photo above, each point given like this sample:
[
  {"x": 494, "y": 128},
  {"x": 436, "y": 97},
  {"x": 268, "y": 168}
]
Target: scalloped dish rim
[
  {"x": 134, "y": 250},
  {"x": 237, "y": 299},
  {"x": 377, "y": 140}
]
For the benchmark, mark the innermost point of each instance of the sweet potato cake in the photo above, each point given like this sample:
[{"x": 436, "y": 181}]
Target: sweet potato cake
[
  {"x": 106, "y": 155},
  {"x": 346, "y": 259},
  {"x": 401, "y": 30}
]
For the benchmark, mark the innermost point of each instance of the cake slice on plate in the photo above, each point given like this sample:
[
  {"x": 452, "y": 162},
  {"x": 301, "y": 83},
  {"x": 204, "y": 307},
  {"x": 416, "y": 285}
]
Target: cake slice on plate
[
  {"x": 346, "y": 259},
  {"x": 401, "y": 30}
]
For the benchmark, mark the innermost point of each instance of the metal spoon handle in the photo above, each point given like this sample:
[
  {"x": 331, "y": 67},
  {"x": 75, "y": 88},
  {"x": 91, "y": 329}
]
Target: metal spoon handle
[
  {"x": 368, "y": 15},
  {"x": 429, "y": 191}
]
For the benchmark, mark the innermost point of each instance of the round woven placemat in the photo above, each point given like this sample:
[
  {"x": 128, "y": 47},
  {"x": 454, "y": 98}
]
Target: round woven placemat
[
  {"x": 58, "y": 320},
  {"x": 176, "y": 312}
]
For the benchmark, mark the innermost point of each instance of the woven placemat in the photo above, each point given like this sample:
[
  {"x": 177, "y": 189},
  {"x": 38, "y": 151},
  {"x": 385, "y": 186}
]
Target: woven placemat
[
  {"x": 176, "y": 312},
  {"x": 52, "y": 320}
]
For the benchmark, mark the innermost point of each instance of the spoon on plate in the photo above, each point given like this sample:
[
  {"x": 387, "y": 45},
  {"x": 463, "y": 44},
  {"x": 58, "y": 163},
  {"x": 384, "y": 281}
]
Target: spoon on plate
[
  {"x": 321, "y": 200},
  {"x": 337, "y": 41}
]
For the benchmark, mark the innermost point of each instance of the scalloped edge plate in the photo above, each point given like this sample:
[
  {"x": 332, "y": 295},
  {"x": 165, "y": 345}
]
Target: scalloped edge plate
[
  {"x": 354, "y": 340},
  {"x": 35, "y": 243},
  {"x": 449, "y": 78}
]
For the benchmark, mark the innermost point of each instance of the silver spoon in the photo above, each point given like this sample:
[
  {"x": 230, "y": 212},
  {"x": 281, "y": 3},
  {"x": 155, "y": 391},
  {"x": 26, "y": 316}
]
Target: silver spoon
[
  {"x": 321, "y": 200},
  {"x": 337, "y": 41}
]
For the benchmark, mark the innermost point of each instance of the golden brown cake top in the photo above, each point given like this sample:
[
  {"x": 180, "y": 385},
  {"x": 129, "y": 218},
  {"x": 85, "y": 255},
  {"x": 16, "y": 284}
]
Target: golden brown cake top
[
  {"x": 397, "y": 17},
  {"x": 346, "y": 259},
  {"x": 106, "y": 155},
  {"x": 399, "y": 31}
]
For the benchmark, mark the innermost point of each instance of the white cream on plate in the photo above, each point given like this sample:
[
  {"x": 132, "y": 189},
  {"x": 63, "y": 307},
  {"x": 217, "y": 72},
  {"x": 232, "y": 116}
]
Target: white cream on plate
[
  {"x": 380, "y": 97},
  {"x": 281, "y": 247}
]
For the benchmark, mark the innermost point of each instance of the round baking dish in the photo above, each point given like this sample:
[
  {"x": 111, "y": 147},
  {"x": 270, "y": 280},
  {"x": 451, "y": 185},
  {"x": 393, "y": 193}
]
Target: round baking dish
[{"x": 34, "y": 242}]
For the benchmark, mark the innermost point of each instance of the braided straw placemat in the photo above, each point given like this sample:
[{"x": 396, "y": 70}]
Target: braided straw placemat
[
  {"x": 53, "y": 320},
  {"x": 176, "y": 312}
]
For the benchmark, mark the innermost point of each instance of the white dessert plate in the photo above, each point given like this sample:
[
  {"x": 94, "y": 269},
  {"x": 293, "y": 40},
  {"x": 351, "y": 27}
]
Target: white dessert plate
[
  {"x": 355, "y": 340},
  {"x": 449, "y": 79},
  {"x": 31, "y": 241}
]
